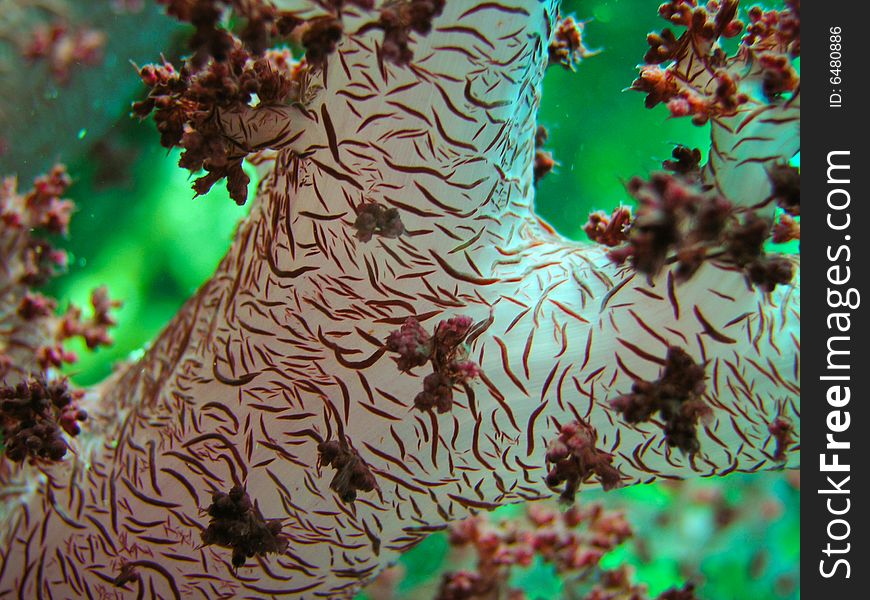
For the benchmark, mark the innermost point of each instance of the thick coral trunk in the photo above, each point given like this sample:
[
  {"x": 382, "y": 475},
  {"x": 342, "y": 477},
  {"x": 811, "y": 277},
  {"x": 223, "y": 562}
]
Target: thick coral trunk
[{"x": 283, "y": 347}]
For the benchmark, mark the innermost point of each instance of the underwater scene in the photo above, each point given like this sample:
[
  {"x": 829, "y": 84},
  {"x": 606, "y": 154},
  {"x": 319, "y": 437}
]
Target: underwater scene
[{"x": 400, "y": 299}]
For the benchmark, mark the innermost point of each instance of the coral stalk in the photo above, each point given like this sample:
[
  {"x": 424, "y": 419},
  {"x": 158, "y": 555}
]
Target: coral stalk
[{"x": 284, "y": 349}]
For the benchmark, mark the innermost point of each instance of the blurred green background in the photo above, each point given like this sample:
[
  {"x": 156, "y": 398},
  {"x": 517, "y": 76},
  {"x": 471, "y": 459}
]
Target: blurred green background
[{"x": 139, "y": 231}]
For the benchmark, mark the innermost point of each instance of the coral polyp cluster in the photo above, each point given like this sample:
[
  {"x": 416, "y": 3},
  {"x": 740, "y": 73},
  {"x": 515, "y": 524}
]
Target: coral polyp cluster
[
  {"x": 352, "y": 475},
  {"x": 32, "y": 342},
  {"x": 573, "y": 542},
  {"x": 186, "y": 105},
  {"x": 34, "y": 414},
  {"x": 229, "y": 73},
  {"x": 677, "y": 222},
  {"x": 676, "y": 396},
  {"x": 575, "y": 460},
  {"x": 702, "y": 80},
  {"x": 376, "y": 219},
  {"x": 446, "y": 351},
  {"x": 236, "y": 522}
]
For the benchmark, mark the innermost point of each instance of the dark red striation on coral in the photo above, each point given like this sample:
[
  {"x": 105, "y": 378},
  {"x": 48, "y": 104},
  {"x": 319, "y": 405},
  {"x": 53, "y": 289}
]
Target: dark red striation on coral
[
  {"x": 352, "y": 473},
  {"x": 575, "y": 459},
  {"x": 676, "y": 396},
  {"x": 33, "y": 416},
  {"x": 236, "y": 523}
]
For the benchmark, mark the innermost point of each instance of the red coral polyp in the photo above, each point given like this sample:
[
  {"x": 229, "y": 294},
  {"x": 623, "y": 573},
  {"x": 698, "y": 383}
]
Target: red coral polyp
[
  {"x": 352, "y": 474},
  {"x": 412, "y": 343},
  {"x": 373, "y": 219},
  {"x": 447, "y": 352},
  {"x": 575, "y": 459},
  {"x": 236, "y": 523},
  {"x": 33, "y": 416},
  {"x": 676, "y": 396}
]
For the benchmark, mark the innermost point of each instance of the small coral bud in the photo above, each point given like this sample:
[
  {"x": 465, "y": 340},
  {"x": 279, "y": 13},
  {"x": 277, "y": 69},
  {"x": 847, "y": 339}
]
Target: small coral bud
[
  {"x": 769, "y": 272},
  {"x": 544, "y": 164},
  {"x": 679, "y": 107},
  {"x": 785, "y": 181},
  {"x": 59, "y": 258},
  {"x": 33, "y": 306},
  {"x": 54, "y": 356},
  {"x": 608, "y": 230},
  {"x": 685, "y": 160},
  {"x": 786, "y": 229},
  {"x": 451, "y": 332},
  {"x": 352, "y": 473},
  {"x": 373, "y": 218},
  {"x": 575, "y": 459},
  {"x": 733, "y": 29},
  {"x": 437, "y": 393},
  {"x": 556, "y": 451},
  {"x": 567, "y": 48},
  {"x": 236, "y": 523},
  {"x": 413, "y": 344},
  {"x": 465, "y": 370}
]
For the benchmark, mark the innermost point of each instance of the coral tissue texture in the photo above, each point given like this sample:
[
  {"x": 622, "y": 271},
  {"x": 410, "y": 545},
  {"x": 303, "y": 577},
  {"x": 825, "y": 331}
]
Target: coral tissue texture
[{"x": 282, "y": 356}]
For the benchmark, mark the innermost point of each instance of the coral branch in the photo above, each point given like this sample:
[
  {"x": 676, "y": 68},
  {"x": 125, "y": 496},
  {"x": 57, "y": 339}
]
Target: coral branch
[{"x": 286, "y": 355}]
